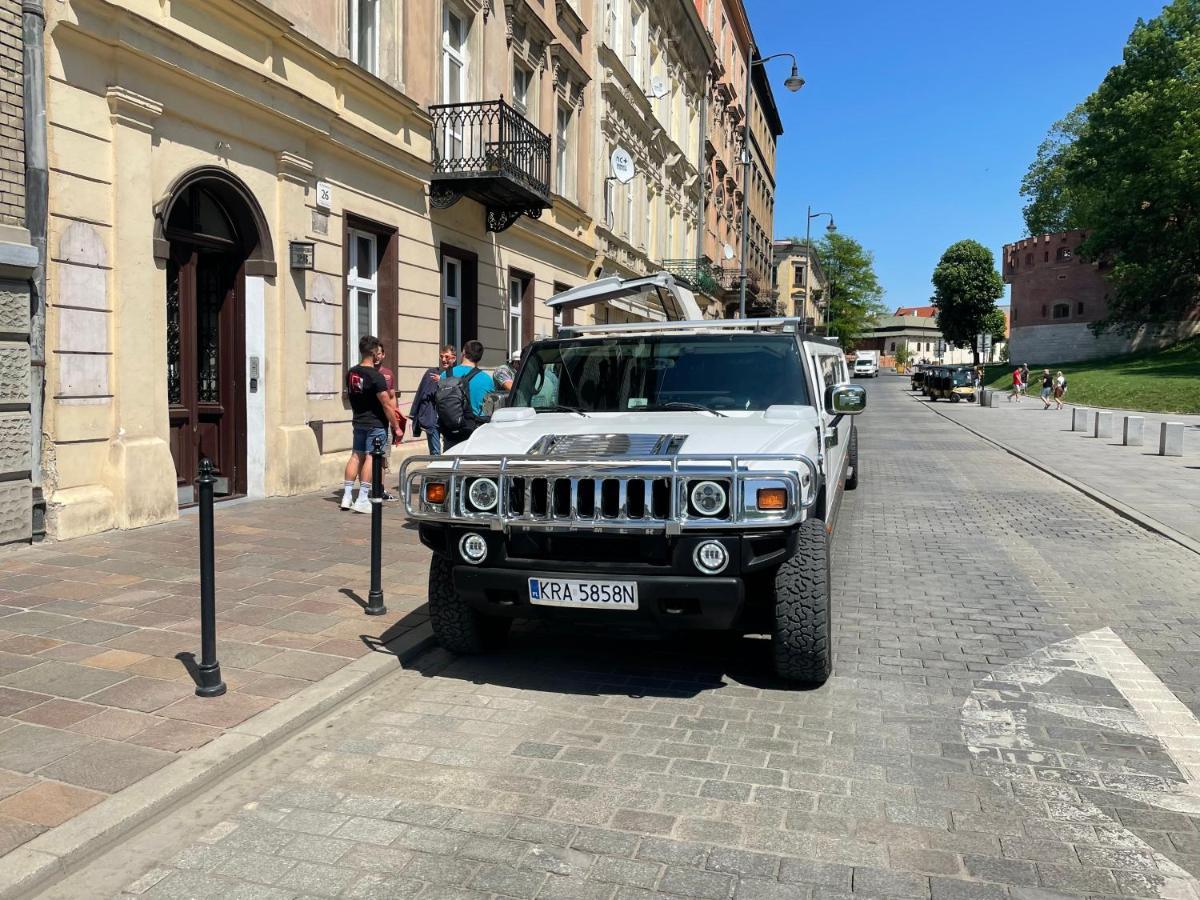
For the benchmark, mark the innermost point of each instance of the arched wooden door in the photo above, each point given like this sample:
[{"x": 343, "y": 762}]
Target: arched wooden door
[{"x": 206, "y": 336}]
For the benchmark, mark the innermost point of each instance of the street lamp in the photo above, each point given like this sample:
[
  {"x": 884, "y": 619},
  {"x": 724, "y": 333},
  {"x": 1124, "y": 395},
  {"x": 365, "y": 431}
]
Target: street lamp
[
  {"x": 793, "y": 83},
  {"x": 808, "y": 251}
]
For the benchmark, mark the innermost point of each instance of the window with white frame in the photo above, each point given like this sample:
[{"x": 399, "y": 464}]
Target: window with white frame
[
  {"x": 614, "y": 31},
  {"x": 564, "y": 162},
  {"x": 708, "y": 15},
  {"x": 455, "y": 32},
  {"x": 362, "y": 288},
  {"x": 362, "y": 33},
  {"x": 521, "y": 89},
  {"x": 516, "y": 299},
  {"x": 634, "y": 61},
  {"x": 452, "y": 296}
]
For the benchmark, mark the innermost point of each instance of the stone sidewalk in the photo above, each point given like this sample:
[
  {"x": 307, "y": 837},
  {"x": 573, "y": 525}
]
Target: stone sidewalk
[
  {"x": 98, "y": 637},
  {"x": 1164, "y": 489}
]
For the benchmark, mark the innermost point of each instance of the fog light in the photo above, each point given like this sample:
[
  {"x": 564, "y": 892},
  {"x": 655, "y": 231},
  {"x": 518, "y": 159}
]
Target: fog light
[
  {"x": 711, "y": 557},
  {"x": 435, "y": 492},
  {"x": 483, "y": 494},
  {"x": 773, "y": 499},
  {"x": 473, "y": 548},
  {"x": 708, "y": 498}
]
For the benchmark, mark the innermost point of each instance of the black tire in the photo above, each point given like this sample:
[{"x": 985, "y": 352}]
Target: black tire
[
  {"x": 852, "y": 478},
  {"x": 954, "y": 398},
  {"x": 458, "y": 627},
  {"x": 802, "y": 641}
]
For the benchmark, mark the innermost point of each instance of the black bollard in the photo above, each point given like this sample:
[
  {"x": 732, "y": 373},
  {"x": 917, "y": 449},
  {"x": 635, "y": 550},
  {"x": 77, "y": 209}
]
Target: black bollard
[
  {"x": 209, "y": 683},
  {"x": 375, "y": 605}
]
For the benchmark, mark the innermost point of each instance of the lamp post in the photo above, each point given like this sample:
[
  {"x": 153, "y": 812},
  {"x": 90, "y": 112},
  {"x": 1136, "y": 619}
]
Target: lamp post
[
  {"x": 808, "y": 251},
  {"x": 793, "y": 83}
]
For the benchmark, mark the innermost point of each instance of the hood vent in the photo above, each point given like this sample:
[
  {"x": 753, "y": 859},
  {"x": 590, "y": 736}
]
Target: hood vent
[{"x": 600, "y": 445}]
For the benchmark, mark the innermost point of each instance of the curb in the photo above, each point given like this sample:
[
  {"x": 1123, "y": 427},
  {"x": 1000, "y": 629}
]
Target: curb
[
  {"x": 36, "y": 865},
  {"x": 1124, "y": 510}
]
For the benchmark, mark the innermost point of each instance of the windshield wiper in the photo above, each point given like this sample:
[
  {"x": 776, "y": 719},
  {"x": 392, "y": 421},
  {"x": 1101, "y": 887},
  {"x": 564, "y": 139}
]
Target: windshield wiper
[
  {"x": 681, "y": 404},
  {"x": 561, "y": 409}
]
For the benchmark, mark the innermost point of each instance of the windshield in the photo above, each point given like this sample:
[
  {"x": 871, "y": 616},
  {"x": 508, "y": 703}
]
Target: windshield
[
  {"x": 862, "y": 363},
  {"x": 718, "y": 371},
  {"x": 963, "y": 377}
]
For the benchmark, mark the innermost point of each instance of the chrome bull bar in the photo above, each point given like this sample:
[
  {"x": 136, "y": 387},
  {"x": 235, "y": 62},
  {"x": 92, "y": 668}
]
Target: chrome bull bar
[{"x": 638, "y": 505}]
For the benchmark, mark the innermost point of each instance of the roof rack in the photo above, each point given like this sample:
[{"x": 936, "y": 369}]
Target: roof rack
[{"x": 772, "y": 326}]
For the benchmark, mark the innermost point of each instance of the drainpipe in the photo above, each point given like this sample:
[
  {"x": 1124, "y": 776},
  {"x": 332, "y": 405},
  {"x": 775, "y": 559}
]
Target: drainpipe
[{"x": 37, "y": 196}]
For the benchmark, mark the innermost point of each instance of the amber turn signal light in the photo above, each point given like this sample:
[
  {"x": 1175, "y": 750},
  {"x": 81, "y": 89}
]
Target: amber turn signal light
[
  {"x": 435, "y": 493},
  {"x": 772, "y": 499}
]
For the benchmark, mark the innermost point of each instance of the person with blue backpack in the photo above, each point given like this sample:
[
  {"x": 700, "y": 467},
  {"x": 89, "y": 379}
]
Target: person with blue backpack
[{"x": 460, "y": 396}]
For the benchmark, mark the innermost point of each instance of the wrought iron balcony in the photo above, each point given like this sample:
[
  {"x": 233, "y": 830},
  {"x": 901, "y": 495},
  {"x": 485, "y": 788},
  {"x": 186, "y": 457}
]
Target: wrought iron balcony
[
  {"x": 699, "y": 274},
  {"x": 491, "y": 153}
]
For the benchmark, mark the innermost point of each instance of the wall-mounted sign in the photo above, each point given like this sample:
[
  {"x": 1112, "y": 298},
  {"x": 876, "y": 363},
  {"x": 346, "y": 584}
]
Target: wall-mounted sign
[
  {"x": 622, "y": 166},
  {"x": 302, "y": 254},
  {"x": 324, "y": 195}
]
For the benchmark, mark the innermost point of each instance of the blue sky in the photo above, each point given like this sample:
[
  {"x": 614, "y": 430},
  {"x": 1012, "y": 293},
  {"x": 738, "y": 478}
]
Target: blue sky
[{"x": 919, "y": 119}]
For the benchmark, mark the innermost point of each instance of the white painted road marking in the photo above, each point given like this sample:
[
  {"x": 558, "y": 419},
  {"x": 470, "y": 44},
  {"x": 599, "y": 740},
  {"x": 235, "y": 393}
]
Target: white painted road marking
[{"x": 996, "y": 725}]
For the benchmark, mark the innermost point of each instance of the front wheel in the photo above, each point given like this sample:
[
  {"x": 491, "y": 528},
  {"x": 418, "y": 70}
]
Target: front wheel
[
  {"x": 802, "y": 640},
  {"x": 458, "y": 627}
]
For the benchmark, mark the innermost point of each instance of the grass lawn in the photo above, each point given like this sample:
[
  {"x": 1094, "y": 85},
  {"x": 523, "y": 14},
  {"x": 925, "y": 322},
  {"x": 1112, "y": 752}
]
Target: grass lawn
[{"x": 1158, "y": 381}]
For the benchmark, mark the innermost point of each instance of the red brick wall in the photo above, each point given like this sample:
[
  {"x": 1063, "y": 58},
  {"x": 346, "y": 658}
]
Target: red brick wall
[{"x": 1042, "y": 278}]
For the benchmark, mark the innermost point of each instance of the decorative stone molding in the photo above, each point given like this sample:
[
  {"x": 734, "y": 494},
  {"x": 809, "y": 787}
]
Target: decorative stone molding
[
  {"x": 131, "y": 109},
  {"x": 293, "y": 167}
]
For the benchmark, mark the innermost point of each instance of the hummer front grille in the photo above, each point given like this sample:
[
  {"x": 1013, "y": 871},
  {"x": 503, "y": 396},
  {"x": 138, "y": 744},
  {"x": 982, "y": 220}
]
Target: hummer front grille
[{"x": 623, "y": 494}]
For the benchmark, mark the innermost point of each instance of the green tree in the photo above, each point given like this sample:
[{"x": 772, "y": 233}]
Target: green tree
[
  {"x": 967, "y": 287},
  {"x": 903, "y": 356},
  {"x": 853, "y": 294},
  {"x": 1052, "y": 203},
  {"x": 995, "y": 324},
  {"x": 1125, "y": 167}
]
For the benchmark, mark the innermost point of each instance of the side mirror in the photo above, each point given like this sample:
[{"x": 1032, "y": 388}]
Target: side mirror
[{"x": 845, "y": 399}]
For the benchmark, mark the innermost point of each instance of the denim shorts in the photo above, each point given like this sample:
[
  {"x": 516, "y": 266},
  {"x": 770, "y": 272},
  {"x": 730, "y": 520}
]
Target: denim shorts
[{"x": 364, "y": 438}]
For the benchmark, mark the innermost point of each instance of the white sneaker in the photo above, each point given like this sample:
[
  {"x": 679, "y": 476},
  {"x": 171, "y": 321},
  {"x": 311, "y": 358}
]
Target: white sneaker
[
  {"x": 362, "y": 504},
  {"x": 347, "y": 501}
]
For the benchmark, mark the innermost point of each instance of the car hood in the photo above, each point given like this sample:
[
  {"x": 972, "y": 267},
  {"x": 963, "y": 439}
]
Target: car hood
[{"x": 789, "y": 429}]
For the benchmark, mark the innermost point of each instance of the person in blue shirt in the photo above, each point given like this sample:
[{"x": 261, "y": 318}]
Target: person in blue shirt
[{"x": 478, "y": 388}]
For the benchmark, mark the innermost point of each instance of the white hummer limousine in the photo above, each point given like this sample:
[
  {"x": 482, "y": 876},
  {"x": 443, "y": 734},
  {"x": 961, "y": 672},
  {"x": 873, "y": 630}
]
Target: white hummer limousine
[{"x": 684, "y": 474}]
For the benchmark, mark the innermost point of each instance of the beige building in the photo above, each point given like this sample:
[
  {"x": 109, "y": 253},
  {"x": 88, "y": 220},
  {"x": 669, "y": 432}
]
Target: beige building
[
  {"x": 765, "y": 131},
  {"x": 798, "y": 283},
  {"x": 241, "y": 188},
  {"x": 652, "y": 59}
]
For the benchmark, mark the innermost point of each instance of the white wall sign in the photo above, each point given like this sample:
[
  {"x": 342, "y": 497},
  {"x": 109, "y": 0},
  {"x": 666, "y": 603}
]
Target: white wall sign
[
  {"x": 622, "y": 166},
  {"x": 324, "y": 195}
]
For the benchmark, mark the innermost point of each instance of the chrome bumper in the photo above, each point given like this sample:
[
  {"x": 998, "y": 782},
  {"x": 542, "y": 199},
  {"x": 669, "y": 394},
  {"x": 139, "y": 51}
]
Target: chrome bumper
[{"x": 624, "y": 495}]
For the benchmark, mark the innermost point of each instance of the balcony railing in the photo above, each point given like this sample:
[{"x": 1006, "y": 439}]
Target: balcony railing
[
  {"x": 490, "y": 152},
  {"x": 700, "y": 274}
]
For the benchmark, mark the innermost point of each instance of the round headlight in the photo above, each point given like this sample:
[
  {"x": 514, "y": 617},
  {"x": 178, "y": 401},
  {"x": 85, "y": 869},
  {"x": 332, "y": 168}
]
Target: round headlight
[
  {"x": 708, "y": 498},
  {"x": 710, "y": 557},
  {"x": 483, "y": 494},
  {"x": 473, "y": 548}
]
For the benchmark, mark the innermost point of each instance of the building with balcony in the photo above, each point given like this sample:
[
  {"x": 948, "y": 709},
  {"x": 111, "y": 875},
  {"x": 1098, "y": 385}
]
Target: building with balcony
[
  {"x": 765, "y": 130},
  {"x": 798, "y": 282},
  {"x": 652, "y": 60},
  {"x": 240, "y": 189}
]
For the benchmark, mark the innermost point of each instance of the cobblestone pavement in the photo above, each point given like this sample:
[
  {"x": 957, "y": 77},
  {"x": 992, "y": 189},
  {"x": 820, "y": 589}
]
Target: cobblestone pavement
[
  {"x": 98, "y": 637},
  {"x": 1166, "y": 489},
  {"x": 1011, "y": 716}
]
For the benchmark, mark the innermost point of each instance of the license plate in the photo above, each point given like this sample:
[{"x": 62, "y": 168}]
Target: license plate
[{"x": 583, "y": 594}]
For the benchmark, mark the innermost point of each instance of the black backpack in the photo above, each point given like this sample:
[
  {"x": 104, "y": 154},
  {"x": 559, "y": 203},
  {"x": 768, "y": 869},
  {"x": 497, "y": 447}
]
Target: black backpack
[{"x": 452, "y": 400}]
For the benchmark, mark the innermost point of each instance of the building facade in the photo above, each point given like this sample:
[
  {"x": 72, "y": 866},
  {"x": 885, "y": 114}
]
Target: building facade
[
  {"x": 241, "y": 188},
  {"x": 798, "y": 282},
  {"x": 1056, "y": 295},
  {"x": 652, "y": 59},
  {"x": 22, "y": 211},
  {"x": 765, "y": 131},
  {"x": 915, "y": 329}
]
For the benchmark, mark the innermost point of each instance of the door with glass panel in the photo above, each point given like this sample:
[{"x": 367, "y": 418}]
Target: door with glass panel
[
  {"x": 454, "y": 80},
  {"x": 362, "y": 286},
  {"x": 452, "y": 302}
]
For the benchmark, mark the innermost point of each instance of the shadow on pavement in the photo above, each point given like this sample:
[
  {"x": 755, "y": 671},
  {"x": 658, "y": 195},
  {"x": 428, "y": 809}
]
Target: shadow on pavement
[{"x": 597, "y": 662}]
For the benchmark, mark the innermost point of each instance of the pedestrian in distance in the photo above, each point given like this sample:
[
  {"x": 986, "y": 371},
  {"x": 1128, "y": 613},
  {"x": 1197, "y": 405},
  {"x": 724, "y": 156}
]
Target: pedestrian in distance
[
  {"x": 1060, "y": 389},
  {"x": 375, "y": 415},
  {"x": 1047, "y": 388},
  {"x": 460, "y": 396},
  {"x": 1016, "y": 386},
  {"x": 424, "y": 410},
  {"x": 1024, "y": 379}
]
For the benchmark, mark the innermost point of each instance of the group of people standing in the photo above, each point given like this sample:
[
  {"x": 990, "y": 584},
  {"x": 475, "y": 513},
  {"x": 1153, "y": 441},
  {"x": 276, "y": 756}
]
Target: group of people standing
[
  {"x": 1054, "y": 387},
  {"x": 449, "y": 404}
]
